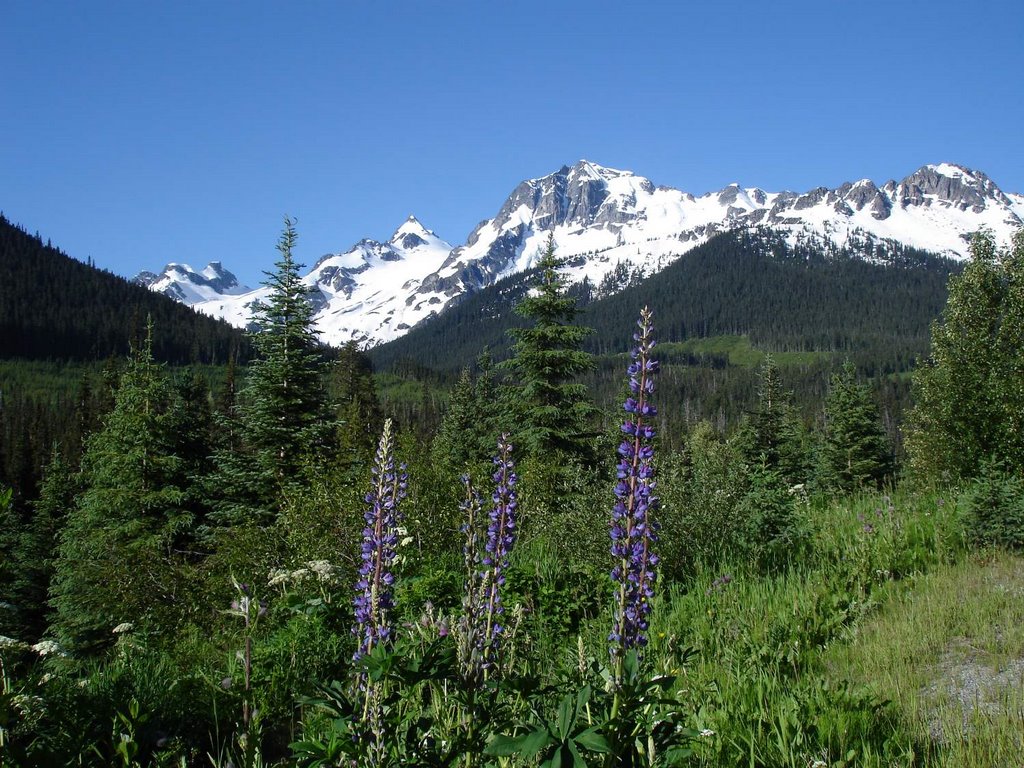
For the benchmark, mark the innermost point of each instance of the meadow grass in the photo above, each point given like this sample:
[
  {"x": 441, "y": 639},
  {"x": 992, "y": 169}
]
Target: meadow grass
[
  {"x": 740, "y": 351},
  {"x": 890, "y": 645},
  {"x": 949, "y": 652}
]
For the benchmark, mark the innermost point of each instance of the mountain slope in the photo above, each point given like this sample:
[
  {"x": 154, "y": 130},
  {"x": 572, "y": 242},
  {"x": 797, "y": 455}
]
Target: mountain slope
[
  {"x": 367, "y": 292},
  {"x": 744, "y": 282},
  {"x": 53, "y": 307},
  {"x": 615, "y": 227}
]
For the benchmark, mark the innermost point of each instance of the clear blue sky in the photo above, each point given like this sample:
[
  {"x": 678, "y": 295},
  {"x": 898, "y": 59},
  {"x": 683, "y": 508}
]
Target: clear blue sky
[{"x": 140, "y": 133}]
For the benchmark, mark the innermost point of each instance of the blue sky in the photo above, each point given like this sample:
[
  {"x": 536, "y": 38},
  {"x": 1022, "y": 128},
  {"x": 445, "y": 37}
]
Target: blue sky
[{"x": 140, "y": 133}]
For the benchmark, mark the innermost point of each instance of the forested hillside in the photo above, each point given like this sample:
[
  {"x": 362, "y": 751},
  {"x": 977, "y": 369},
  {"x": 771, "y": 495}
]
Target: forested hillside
[
  {"x": 53, "y": 307},
  {"x": 873, "y": 305}
]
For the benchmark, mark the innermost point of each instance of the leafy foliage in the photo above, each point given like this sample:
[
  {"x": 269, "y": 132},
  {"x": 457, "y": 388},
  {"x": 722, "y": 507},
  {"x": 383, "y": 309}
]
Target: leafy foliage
[{"x": 969, "y": 394}]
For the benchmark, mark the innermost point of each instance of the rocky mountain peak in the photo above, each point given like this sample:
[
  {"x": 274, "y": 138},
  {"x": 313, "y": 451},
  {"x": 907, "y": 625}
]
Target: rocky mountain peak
[
  {"x": 412, "y": 234},
  {"x": 606, "y": 222},
  {"x": 950, "y": 185}
]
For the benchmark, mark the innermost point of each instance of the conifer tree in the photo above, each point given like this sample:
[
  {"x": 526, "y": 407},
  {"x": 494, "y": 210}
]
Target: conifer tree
[
  {"x": 116, "y": 558},
  {"x": 453, "y": 447},
  {"x": 9, "y": 531},
  {"x": 856, "y": 452},
  {"x": 33, "y": 560},
  {"x": 284, "y": 424},
  {"x": 359, "y": 413},
  {"x": 969, "y": 394},
  {"x": 547, "y": 357},
  {"x": 492, "y": 420},
  {"x": 773, "y": 437}
]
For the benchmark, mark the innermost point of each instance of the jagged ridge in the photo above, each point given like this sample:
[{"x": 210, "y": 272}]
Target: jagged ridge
[{"x": 615, "y": 228}]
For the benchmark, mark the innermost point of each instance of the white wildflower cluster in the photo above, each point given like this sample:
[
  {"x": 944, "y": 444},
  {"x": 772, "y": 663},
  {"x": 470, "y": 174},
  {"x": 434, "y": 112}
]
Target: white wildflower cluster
[
  {"x": 403, "y": 544},
  {"x": 10, "y": 642},
  {"x": 122, "y": 628},
  {"x": 47, "y": 648},
  {"x": 321, "y": 570}
]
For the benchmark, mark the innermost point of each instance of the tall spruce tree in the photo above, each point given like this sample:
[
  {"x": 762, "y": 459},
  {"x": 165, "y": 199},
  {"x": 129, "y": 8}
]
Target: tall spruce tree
[
  {"x": 33, "y": 558},
  {"x": 552, "y": 406},
  {"x": 969, "y": 393},
  {"x": 451, "y": 447},
  {"x": 116, "y": 560},
  {"x": 9, "y": 534},
  {"x": 856, "y": 451},
  {"x": 773, "y": 437},
  {"x": 284, "y": 423},
  {"x": 471, "y": 422},
  {"x": 359, "y": 413}
]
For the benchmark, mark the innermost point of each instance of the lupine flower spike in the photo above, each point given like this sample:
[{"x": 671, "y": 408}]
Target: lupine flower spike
[
  {"x": 633, "y": 528},
  {"x": 501, "y": 536},
  {"x": 374, "y": 590},
  {"x": 471, "y": 623}
]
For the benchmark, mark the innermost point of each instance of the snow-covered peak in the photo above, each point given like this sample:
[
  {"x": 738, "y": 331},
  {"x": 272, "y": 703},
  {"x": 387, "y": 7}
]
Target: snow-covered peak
[
  {"x": 607, "y": 224},
  {"x": 949, "y": 169},
  {"x": 597, "y": 172},
  {"x": 182, "y": 282},
  {"x": 412, "y": 235},
  {"x": 949, "y": 185}
]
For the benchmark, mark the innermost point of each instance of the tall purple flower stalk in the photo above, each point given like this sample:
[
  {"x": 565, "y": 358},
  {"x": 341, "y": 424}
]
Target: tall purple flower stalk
[
  {"x": 470, "y": 624},
  {"x": 501, "y": 536},
  {"x": 633, "y": 528},
  {"x": 374, "y": 590}
]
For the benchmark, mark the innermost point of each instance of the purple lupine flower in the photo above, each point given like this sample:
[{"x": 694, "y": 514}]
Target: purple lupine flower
[
  {"x": 633, "y": 530},
  {"x": 470, "y": 636},
  {"x": 471, "y": 506},
  {"x": 374, "y": 599},
  {"x": 501, "y": 536}
]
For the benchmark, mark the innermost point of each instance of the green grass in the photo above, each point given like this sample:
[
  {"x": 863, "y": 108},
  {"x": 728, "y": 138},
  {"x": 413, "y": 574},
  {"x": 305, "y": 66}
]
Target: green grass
[
  {"x": 948, "y": 650},
  {"x": 739, "y": 351}
]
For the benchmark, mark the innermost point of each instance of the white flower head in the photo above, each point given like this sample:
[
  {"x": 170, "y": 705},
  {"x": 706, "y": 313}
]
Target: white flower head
[
  {"x": 278, "y": 576},
  {"x": 322, "y": 568},
  {"x": 706, "y": 733},
  {"x": 124, "y": 626},
  {"x": 46, "y": 647}
]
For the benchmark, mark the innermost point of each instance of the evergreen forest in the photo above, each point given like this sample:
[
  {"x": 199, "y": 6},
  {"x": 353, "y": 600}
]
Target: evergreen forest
[{"x": 763, "y": 509}]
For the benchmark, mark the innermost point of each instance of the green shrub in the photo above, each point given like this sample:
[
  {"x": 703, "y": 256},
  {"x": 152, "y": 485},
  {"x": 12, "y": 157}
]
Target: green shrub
[
  {"x": 775, "y": 527},
  {"x": 994, "y": 509}
]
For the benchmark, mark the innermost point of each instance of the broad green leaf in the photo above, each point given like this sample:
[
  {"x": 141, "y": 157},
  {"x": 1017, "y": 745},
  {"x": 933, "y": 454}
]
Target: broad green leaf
[
  {"x": 566, "y": 717},
  {"x": 527, "y": 744},
  {"x": 577, "y": 758},
  {"x": 593, "y": 740}
]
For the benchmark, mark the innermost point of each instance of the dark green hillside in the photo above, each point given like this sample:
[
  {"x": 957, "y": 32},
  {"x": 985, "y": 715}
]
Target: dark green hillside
[
  {"x": 789, "y": 299},
  {"x": 739, "y": 283},
  {"x": 53, "y": 307}
]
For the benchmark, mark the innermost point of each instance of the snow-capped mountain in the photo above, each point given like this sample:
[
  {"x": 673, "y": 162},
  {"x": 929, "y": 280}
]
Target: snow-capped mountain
[
  {"x": 608, "y": 222},
  {"x": 181, "y": 282},
  {"x": 368, "y": 293}
]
